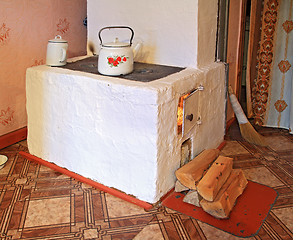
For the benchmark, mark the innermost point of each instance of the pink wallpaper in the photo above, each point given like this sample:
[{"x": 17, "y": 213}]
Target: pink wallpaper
[{"x": 25, "y": 28}]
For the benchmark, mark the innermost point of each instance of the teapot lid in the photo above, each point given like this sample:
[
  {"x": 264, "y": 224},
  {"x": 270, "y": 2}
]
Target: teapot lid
[
  {"x": 116, "y": 44},
  {"x": 58, "y": 39}
]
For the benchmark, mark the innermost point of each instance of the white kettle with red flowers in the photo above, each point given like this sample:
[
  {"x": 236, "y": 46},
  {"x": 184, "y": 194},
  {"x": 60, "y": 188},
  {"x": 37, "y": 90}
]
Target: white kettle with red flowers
[{"x": 116, "y": 58}]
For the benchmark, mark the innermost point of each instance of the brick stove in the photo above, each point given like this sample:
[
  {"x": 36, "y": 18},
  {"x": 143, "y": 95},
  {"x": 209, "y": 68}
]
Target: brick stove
[{"x": 123, "y": 132}]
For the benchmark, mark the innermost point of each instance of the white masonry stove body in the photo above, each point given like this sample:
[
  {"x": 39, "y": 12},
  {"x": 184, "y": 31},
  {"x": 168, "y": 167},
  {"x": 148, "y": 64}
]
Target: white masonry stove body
[{"x": 124, "y": 133}]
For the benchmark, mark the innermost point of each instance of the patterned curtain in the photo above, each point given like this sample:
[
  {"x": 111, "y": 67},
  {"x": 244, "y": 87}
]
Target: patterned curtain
[{"x": 273, "y": 92}]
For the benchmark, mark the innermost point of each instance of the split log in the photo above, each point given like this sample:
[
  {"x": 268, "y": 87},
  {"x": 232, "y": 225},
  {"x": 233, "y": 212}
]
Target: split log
[
  {"x": 216, "y": 176},
  {"x": 192, "y": 197},
  {"x": 179, "y": 187},
  {"x": 226, "y": 198},
  {"x": 192, "y": 172}
]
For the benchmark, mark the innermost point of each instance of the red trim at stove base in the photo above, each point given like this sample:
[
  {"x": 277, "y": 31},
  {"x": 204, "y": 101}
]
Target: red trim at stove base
[
  {"x": 222, "y": 145},
  {"x": 13, "y": 137},
  {"x": 229, "y": 123},
  {"x": 116, "y": 193}
]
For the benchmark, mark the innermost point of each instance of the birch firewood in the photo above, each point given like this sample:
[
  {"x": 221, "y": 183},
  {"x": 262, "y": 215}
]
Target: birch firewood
[
  {"x": 213, "y": 180},
  {"x": 226, "y": 198},
  {"x": 179, "y": 187},
  {"x": 192, "y": 197},
  {"x": 192, "y": 172}
]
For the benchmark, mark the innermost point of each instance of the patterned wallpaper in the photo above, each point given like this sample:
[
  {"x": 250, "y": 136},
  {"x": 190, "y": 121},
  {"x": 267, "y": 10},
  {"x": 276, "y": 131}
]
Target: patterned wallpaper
[{"x": 25, "y": 28}]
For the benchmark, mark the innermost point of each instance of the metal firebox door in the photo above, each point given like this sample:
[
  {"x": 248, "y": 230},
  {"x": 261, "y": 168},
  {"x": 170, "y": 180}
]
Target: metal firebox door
[{"x": 191, "y": 111}]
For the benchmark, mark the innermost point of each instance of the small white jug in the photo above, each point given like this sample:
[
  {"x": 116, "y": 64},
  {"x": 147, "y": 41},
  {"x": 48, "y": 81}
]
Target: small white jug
[{"x": 57, "y": 52}]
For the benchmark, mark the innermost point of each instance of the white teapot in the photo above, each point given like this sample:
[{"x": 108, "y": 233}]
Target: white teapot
[
  {"x": 116, "y": 58},
  {"x": 56, "y": 52}
]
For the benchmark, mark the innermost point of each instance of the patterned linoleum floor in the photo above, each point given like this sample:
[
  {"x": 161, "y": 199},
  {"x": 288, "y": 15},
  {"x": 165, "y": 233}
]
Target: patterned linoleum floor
[{"x": 38, "y": 203}]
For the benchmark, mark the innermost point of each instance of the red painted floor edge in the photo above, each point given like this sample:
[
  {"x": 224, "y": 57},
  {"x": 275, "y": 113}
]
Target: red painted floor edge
[
  {"x": 222, "y": 145},
  {"x": 116, "y": 193},
  {"x": 13, "y": 137}
]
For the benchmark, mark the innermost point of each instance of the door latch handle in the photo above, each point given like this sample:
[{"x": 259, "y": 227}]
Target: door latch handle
[{"x": 189, "y": 117}]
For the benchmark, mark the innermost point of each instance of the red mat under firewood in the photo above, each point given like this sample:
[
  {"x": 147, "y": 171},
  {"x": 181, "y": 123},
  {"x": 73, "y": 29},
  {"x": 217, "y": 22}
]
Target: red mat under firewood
[{"x": 247, "y": 216}]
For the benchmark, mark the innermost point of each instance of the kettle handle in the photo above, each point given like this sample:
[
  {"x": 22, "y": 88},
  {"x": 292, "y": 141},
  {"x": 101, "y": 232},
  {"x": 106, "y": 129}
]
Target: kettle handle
[{"x": 132, "y": 32}]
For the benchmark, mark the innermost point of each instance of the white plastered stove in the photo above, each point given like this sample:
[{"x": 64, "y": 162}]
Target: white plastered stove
[{"x": 123, "y": 133}]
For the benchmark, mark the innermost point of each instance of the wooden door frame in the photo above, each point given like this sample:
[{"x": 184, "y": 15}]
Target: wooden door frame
[
  {"x": 254, "y": 38},
  {"x": 236, "y": 32},
  {"x": 235, "y": 46}
]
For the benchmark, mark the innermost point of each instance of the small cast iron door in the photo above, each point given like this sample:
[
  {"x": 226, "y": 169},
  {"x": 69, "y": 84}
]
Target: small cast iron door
[{"x": 190, "y": 111}]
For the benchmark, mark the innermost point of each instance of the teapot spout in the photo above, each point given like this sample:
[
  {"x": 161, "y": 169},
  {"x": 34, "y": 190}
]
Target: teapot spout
[{"x": 136, "y": 48}]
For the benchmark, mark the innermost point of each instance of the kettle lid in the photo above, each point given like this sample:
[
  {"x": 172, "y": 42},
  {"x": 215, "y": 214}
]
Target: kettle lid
[
  {"x": 58, "y": 39},
  {"x": 116, "y": 44}
]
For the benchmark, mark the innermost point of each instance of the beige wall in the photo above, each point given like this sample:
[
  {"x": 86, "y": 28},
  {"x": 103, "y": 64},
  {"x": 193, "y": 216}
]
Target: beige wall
[{"x": 25, "y": 28}]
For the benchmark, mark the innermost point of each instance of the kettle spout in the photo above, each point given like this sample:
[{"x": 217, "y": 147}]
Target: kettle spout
[{"x": 136, "y": 48}]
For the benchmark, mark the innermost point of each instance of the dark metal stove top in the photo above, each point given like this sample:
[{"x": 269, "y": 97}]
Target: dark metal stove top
[{"x": 143, "y": 72}]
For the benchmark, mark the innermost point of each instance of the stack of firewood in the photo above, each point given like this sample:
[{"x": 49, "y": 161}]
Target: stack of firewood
[{"x": 211, "y": 183}]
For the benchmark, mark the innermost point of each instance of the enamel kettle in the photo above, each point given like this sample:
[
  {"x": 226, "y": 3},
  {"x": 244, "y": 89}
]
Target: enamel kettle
[{"x": 116, "y": 58}]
